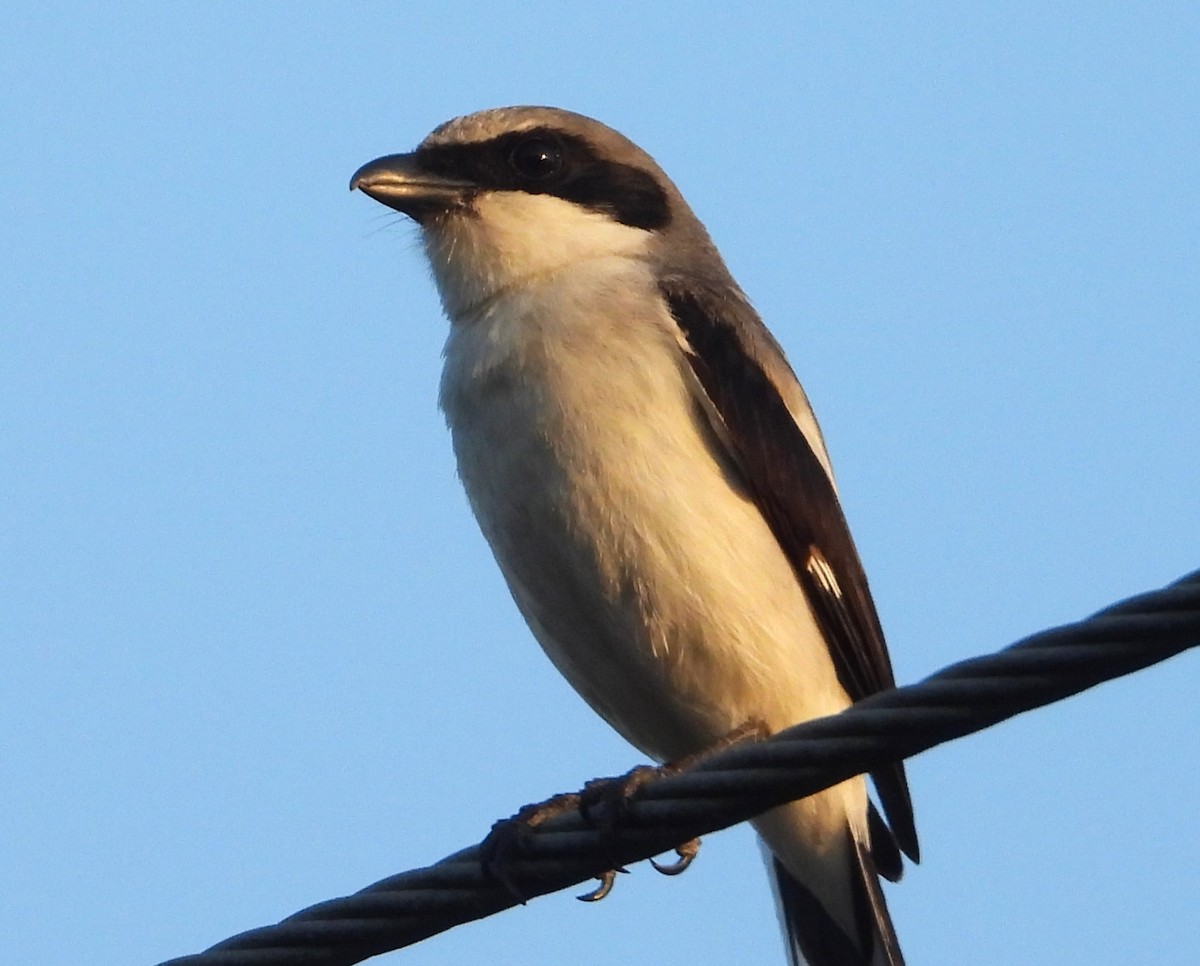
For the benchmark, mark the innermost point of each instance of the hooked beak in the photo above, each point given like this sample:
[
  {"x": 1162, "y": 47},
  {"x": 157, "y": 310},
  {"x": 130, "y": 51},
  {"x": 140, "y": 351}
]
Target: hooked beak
[{"x": 398, "y": 181}]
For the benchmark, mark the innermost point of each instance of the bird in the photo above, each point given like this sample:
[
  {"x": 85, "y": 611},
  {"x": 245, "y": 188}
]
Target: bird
[{"x": 652, "y": 480}]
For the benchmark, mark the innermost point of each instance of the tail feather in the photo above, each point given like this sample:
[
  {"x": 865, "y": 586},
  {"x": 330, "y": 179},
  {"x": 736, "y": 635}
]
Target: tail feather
[
  {"x": 875, "y": 911},
  {"x": 884, "y": 849},
  {"x": 891, "y": 783},
  {"x": 815, "y": 938}
]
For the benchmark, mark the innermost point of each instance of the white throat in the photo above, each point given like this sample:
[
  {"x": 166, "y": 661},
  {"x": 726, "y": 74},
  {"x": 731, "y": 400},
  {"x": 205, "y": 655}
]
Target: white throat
[{"x": 511, "y": 239}]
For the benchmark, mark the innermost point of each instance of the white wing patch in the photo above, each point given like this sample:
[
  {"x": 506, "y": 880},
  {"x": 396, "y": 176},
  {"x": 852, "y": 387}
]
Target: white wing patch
[{"x": 818, "y": 568}]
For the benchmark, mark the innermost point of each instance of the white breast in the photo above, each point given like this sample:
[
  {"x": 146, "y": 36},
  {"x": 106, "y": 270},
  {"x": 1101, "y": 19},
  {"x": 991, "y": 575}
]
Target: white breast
[{"x": 646, "y": 573}]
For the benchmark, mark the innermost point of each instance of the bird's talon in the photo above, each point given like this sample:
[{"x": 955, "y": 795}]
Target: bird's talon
[
  {"x": 687, "y": 855},
  {"x": 603, "y": 889}
]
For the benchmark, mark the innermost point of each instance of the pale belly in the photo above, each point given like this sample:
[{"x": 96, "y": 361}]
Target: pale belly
[{"x": 647, "y": 575}]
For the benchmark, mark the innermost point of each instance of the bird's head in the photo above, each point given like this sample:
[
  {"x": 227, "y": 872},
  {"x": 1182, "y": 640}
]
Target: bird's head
[{"x": 507, "y": 195}]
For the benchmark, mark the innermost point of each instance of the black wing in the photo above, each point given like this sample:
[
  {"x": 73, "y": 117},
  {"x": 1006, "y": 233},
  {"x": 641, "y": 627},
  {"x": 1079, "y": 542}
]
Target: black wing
[{"x": 798, "y": 500}]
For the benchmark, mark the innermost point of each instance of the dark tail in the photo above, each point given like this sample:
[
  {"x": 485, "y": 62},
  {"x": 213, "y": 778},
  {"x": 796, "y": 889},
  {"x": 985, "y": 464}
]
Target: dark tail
[{"x": 814, "y": 938}]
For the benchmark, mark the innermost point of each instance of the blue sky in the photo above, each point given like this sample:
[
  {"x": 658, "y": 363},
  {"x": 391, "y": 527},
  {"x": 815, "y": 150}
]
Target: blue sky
[{"x": 256, "y": 653}]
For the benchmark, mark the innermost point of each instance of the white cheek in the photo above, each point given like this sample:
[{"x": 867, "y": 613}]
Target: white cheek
[{"x": 511, "y": 237}]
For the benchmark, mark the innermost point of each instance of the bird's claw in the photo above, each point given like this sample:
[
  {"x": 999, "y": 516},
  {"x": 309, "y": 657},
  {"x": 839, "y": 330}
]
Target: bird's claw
[
  {"x": 603, "y": 803},
  {"x": 687, "y": 854},
  {"x": 604, "y": 888}
]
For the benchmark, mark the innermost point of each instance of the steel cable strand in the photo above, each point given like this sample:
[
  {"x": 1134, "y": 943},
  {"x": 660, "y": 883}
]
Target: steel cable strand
[{"x": 734, "y": 785}]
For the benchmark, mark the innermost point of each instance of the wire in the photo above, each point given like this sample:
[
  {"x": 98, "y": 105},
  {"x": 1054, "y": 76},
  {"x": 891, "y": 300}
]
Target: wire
[{"x": 732, "y": 786}]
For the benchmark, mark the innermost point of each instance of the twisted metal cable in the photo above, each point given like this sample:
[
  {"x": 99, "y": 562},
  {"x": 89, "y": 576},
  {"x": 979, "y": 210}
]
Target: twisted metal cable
[{"x": 732, "y": 786}]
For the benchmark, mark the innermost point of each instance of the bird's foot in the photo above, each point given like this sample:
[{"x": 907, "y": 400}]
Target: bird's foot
[
  {"x": 507, "y": 837},
  {"x": 610, "y": 798},
  {"x": 604, "y": 804}
]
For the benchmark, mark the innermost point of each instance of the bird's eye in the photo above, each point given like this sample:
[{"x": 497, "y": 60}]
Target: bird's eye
[{"x": 536, "y": 159}]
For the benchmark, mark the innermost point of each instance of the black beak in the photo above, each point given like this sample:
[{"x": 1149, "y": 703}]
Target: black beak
[{"x": 398, "y": 181}]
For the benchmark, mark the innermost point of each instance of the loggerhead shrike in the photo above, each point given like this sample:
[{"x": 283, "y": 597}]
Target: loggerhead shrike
[{"x": 652, "y": 480}]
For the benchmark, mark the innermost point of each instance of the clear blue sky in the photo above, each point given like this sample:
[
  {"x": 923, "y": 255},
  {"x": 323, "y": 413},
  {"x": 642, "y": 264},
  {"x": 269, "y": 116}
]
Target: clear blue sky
[{"x": 255, "y": 652}]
